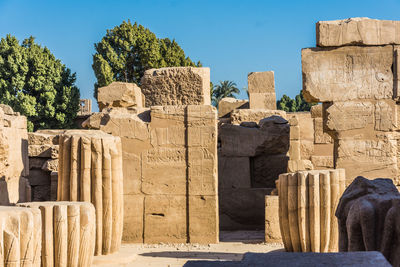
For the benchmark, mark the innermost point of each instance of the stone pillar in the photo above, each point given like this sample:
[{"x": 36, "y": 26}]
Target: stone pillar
[
  {"x": 261, "y": 86},
  {"x": 90, "y": 169},
  {"x": 68, "y": 233},
  {"x": 20, "y": 237},
  {"x": 272, "y": 232},
  {"x": 307, "y": 205}
]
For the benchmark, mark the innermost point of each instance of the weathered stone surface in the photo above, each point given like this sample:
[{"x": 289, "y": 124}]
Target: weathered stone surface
[
  {"x": 36, "y": 163},
  {"x": 53, "y": 185},
  {"x": 261, "y": 87},
  {"x": 307, "y": 204},
  {"x": 316, "y": 111},
  {"x": 386, "y": 116},
  {"x": 228, "y": 104},
  {"x": 234, "y": 172},
  {"x": 169, "y": 158},
  {"x": 50, "y": 165},
  {"x": 90, "y": 170},
  {"x": 38, "y": 138},
  {"x": 43, "y": 151},
  {"x": 272, "y": 138},
  {"x": 41, "y": 192},
  {"x": 368, "y": 218},
  {"x": 242, "y": 208},
  {"x": 358, "y": 31},
  {"x": 347, "y": 73},
  {"x": 320, "y": 137},
  {"x": 68, "y": 233},
  {"x": 21, "y": 236},
  {"x": 265, "y": 169},
  {"x": 38, "y": 177},
  {"x": 119, "y": 94},
  {"x": 254, "y": 115},
  {"x": 176, "y": 86},
  {"x": 272, "y": 230},
  {"x": 322, "y": 162},
  {"x": 299, "y": 165}
]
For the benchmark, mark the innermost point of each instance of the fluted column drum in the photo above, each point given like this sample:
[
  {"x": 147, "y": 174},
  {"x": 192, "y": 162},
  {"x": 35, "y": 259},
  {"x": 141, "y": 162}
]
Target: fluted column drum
[
  {"x": 68, "y": 233},
  {"x": 307, "y": 205},
  {"x": 20, "y": 237},
  {"x": 90, "y": 170}
]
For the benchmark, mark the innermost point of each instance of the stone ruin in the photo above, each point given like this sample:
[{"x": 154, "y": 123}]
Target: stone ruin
[{"x": 159, "y": 164}]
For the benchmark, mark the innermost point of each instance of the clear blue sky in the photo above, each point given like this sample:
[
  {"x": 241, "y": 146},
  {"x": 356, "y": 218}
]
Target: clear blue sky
[{"x": 233, "y": 38}]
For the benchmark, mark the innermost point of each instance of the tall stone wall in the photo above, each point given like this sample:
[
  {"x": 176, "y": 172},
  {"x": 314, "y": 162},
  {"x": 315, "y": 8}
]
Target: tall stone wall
[
  {"x": 358, "y": 87},
  {"x": 170, "y": 171},
  {"x": 14, "y": 186}
]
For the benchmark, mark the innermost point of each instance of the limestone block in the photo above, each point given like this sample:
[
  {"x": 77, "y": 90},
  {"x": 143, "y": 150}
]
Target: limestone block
[
  {"x": 119, "y": 94},
  {"x": 234, "y": 172},
  {"x": 357, "y": 31},
  {"x": 342, "y": 116},
  {"x": 90, "y": 170},
  {"x": 371, "y": 158},
  {"x": 246, "y": 212},
  {"x": 68, "y": 233},
  {"x": 20, "y": 237},
  {"x": 368, "y": 214},
  {"x": 265, "y": 169},
  {"x": 176, "y": 86},
  {"x": 228, "y": 104},
  {"x": 307, "y": 204},
  {"x": 272, "y": 230},
  {"x": 270, "y": 138},
  {"x": 347, "y": 73},
  {"x": 319, "y": 136},
  {"x": 245, "y": 115},
  {"x": 261, "y": 86}
]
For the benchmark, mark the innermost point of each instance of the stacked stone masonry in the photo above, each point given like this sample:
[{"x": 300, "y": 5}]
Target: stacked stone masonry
[
  {"x": 67, "y": 233},
  {"x": 170, "y": 171},
  {"x": 90, "y": 170},
  {"x": 20, "y": 237},
  {"x": 358, "y": 85},
  {"x": 307, "y": 204},
  {"x": 14, "y": 170},
  {"x": 261, "y": 88}
]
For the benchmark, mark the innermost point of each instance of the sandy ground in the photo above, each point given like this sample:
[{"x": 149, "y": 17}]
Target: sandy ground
[{"x": 232, "y": 246}]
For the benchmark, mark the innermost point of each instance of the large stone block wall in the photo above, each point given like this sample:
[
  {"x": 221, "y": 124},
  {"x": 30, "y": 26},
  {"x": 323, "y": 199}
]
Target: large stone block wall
[
  {"x": 358, "y": 87},
  {"x": 14, "y": 169},
  {"x": 170, "y": 171}
]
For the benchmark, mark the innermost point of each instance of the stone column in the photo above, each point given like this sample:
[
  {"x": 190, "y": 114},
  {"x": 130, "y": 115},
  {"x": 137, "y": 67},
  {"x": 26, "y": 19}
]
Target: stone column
[
  {"x": 307, "y": 205},
  {"x": 20, "y": 237},
  {"x": 90, "y": 169},
  {"x": 68, "y": 233}
]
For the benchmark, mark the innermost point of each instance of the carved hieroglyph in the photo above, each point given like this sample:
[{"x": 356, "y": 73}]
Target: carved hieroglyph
[
  {"x": 90, "y": 169},
  {"x": 20, "y": 237},
  {"x": 68, "y": 233},
  {"x": 307, "y": 205}
]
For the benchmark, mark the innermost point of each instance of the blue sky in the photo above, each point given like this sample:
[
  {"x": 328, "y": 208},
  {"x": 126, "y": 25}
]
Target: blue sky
[{"x": 233, "y": 38}]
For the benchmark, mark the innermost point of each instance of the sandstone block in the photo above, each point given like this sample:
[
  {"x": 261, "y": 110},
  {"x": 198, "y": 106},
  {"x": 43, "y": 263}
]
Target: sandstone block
[
  {"x": 90, "y": 170},
  {"x": 203, "y": 219},
  {"x": 265, "y": 169},
  {"x": 38, "y": 138},
  {"x": 50, "y": 165},
  {"x": 294, "y": 150},
  {"x": 43, "y": 151},
  {"x": 21, "y": 236},
  {"x": 357, "y": 31},
  {"x": 176, "y": 86},
  {"x": 119, "y": 94},
  {"x": 347, "y": 73},
  {"x": 307, "y": 204},
  {"x": 319, "y": 136},
  {"x": 272, "y": 230},
  {"x": 261, "y": 86},
  {"x": 316, "y": 111},
  {"x": 246, "y": 212},
  {"x": 234, "y": 172},
  {"x": 228, "y": 104},
  {"x": 322, "y": 162},
  {"x": 39, "y": 177},
  {"x": 299, "y": 165},
  {"x": 36, "y": 163},
  {"x": 68, "y": 233},
  {"x": 254, "y": 115},
  {"x": 306, "y": 149},
  {"x": 53, "y": 185},
  {"x": 386, "y": 115},
  {"x": 133, "y": 218}
]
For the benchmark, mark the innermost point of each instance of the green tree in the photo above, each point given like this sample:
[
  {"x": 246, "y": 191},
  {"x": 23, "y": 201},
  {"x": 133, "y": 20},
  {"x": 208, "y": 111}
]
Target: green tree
[
  {"x": 223, "y": 89},
  {"x": 293, "y": 105},
  {"x": 128, "y": 50},
  {"x": 36, "y": 84}
]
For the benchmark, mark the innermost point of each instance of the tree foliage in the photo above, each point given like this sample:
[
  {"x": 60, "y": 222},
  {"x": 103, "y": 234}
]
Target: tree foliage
[
  {"x": 223, "y": 89},
  {"x": 128, "y": 50},
  {"x": 36, "y": 84},
  {"x": 293, "y": 105}
]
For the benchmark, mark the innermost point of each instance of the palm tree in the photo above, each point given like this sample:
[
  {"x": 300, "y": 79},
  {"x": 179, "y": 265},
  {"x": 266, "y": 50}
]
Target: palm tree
[{"x": 223, "y": 89}]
